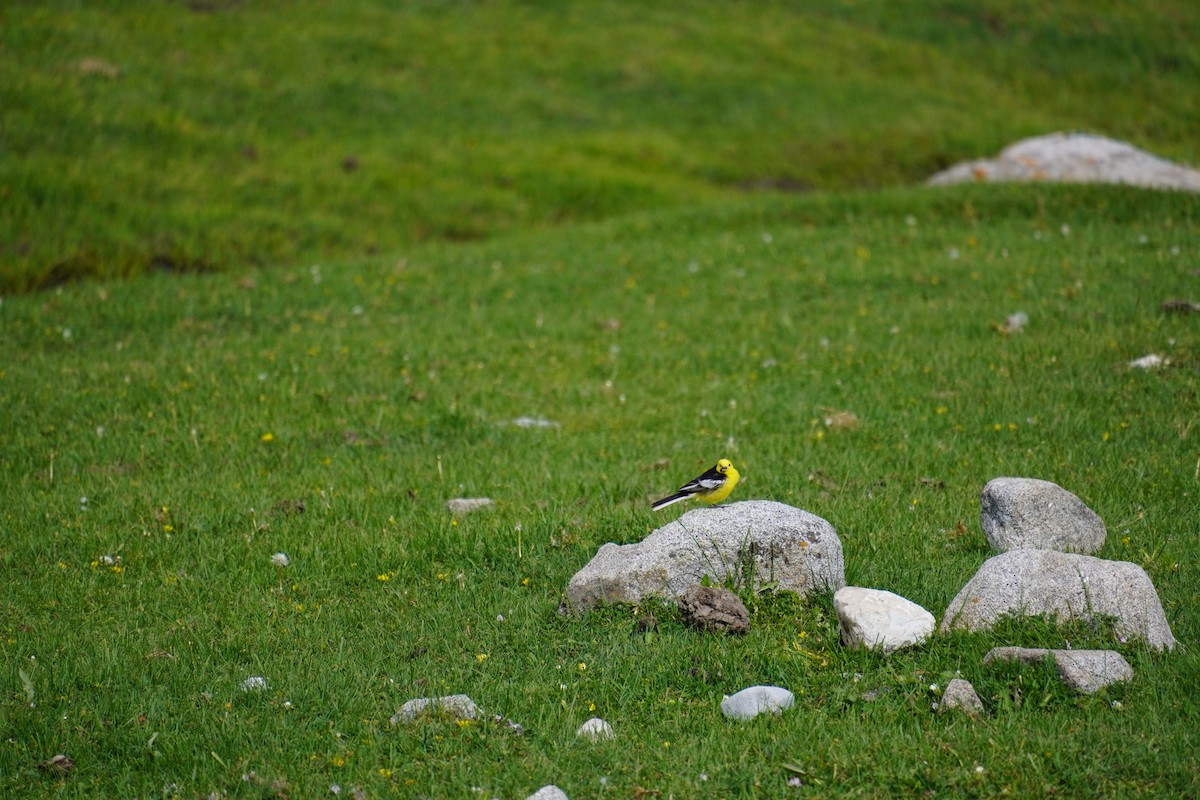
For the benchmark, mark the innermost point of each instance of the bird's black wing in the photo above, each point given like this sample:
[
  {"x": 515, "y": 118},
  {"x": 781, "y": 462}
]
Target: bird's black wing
[{"x": 705, "y": 483}]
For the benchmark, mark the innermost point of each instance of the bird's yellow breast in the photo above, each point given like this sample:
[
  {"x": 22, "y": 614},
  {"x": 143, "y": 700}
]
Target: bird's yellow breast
[{"x": 721, "y": 492}]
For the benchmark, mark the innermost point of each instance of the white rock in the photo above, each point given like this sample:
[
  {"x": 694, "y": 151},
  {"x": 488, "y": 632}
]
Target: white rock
[
  {"x": 459, "y": 706},
  {"x": 465, "y": 505},
  {"x": 1149, "y": 361},
  {"x": 1084, "y": 671},
  {"x": 1031, "y": 514},
  {"x": 749, "y": 703},
  {"x": 255, "y": 683},
  {"x": 550, "y": 792},
  {"x": 595, "y": 729},
  {"x": 1016, "y": 322},
  {"x": 790, "y": 549},
  {"x": 1066, "y": 586},
  {"x": 1074, "y": 158},
  {"x": 534, "y": 422},
  {"x": 880, "y": 620}
]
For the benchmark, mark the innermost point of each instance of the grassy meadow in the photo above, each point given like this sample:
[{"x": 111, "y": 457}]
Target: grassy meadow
[
  {"x": 206, "y": 135},
  {"x": 198, "y": 414},
  {"x": 282, "y": 278}
]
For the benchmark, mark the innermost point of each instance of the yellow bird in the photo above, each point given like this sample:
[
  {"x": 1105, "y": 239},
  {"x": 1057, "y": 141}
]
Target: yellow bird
[{"x": 711, "y": 487}]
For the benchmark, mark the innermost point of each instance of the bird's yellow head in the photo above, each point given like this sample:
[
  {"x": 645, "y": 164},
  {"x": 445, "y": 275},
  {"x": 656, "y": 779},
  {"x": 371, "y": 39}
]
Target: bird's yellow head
[{"x": 724, "y": 465}]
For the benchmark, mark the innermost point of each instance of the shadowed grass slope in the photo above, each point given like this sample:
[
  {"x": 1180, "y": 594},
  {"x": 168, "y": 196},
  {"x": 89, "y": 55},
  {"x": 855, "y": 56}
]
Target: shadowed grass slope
[{"x": 203, "y": 136}]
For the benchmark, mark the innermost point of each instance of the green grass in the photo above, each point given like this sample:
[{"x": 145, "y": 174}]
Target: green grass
[
  {"x": 477, "y": 212},
  {"x": 202, "y": 136},
  {"x": 385, "y": 385}
]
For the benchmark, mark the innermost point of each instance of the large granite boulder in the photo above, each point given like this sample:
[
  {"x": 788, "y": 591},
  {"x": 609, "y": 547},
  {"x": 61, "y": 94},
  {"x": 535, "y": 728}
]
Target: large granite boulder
[
  {"x": 1030, "y": 514},
  {"x": 763, "y": 541},
  {"x": 1065, "y": 586},
  {"x": 1074, "y": 158}
]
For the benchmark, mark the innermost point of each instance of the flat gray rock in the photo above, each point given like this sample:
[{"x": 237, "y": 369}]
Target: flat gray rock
[
  {"x": 960, "y": 695},
  {"x": 1085, "y": 671},
  {"x": 776, "y": 544},
  {"x": 1065, "y": 586},
  {"x": 1031, "y": 514},
  {"x": 458, "y": 706},
  {"x": 1074, "y": 158},
  {"x": 455, "y": 706},
  {"x": 714, "y": 608},
  {"x": 880, "y": 620}
]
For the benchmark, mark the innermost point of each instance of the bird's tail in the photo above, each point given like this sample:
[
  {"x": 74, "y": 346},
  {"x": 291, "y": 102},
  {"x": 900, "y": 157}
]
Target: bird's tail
[{"x": 666, "y": 501}]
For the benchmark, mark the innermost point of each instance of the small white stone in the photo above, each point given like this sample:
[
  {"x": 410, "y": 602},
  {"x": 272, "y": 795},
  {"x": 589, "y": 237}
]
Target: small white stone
[
  {"x": 1016, "y": 321},
  {"x": 550, "y": 792},
  {"x": 465, "y": 505},
  {"x": 1151, "y": 361},
  {"x": 880, "y": 620},
  {"x": 255, "y": 683},
  {"x": 534, "y": 422},
  {"x": 595, "y": 729},
  {"x": 750, "y": 702}
]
